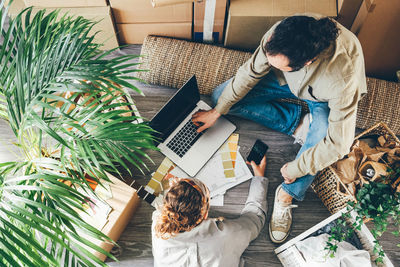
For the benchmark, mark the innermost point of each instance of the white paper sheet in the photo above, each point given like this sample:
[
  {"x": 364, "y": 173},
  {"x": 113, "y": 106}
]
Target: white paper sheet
[
  {"x": 212, "y": 174},
  {"x": 217, "y": 201}
]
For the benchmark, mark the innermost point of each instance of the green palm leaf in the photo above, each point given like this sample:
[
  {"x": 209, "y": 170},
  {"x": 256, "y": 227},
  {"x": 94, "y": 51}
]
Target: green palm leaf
[{"x": 62, "y": 98}]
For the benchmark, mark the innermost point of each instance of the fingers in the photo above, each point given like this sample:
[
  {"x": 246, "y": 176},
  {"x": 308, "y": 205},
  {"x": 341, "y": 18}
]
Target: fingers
[
  {"x": 202, "y": 128},
  {"x": 198, "y": 113},
  {"x": 288, "y": 180},
  {"x": 263, "y": 162},
  {"x": 283, "y": 169},
  {"x": 253, "y": 165},
  {"x": 197, "y": 120}
]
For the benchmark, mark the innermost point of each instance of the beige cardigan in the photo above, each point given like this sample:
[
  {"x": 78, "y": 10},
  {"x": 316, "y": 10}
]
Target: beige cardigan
[
  {"x": 215, "y": 243},
  {"x": 336, "y": 77}
]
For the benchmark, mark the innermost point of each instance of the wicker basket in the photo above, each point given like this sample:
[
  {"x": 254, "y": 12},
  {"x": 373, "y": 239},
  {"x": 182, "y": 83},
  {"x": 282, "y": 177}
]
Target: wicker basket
[{"x": 326, "y": 182}]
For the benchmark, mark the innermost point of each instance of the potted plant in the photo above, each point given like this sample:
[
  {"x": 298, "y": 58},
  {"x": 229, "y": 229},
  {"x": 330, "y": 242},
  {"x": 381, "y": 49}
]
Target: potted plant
[
  {"x": 47, "y": 63},
  {"x": 378, "y": 202}
]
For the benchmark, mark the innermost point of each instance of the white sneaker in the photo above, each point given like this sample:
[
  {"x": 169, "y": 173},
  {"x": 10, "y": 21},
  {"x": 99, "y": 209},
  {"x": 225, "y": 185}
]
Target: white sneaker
[
  {"x": 281, "y": 219},
  {"x": 301, "y": 131}
]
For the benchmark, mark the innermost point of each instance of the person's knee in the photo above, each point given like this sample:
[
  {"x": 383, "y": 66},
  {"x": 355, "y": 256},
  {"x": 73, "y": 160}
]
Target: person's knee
[
  {"x": 322, "y": 129},
  {"x": 218, "y": 91},
  {"x": 320, "y": 122},
  {"x": 215, "y": 96}
]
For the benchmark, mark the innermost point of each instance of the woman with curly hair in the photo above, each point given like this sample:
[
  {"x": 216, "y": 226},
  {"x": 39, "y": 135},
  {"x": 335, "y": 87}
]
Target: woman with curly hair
[{"x": 183, "y": 235}]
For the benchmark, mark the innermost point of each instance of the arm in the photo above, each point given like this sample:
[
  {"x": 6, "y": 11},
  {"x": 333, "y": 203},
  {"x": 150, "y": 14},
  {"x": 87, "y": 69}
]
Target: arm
[
  {"x": 339, "y": 138},
  {"x": 253, "y": 215},
  {"x": 247, "y": 76},
  {"x": 255, "y": 210}
]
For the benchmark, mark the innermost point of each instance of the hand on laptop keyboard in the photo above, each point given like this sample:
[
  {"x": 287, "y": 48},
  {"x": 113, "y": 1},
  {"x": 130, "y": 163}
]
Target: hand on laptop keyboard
[
  {"x": 205, "y": 119},
  {"x": 184, "y": 139}
]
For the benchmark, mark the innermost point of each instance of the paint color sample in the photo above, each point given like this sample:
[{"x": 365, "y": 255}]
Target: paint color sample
[
  {"x": 229, "y": 173},
  {"x": 156, "y": 183},
  {"x": 228, "y": 153}
]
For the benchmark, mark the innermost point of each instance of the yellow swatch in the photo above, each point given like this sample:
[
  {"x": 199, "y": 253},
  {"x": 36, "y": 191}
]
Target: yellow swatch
[
  {"x": 228, "y": 153},
  {"x": 156, "y": 184}
]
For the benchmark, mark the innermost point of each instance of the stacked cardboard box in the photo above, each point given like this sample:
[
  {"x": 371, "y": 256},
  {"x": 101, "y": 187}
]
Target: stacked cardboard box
[
  {"x": 219, "y": 21},
  {"x": 377, "y": 26},
  {"x": 63, "y": 3},
  {"x": 249, "y": 20},
  {"x": 137, "y": 18},
  {"x": 96, "y": 10},
  {"x": 347, "y": 11}
]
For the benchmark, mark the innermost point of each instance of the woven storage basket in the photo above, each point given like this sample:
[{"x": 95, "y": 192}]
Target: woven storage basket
[
  {"x": 380, "y": 104},
  {"x": 326, "y": 182}
]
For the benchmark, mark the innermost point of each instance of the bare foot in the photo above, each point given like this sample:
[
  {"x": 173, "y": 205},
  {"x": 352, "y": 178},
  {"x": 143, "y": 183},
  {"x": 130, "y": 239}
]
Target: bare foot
[{"x": 284, "y": 197}]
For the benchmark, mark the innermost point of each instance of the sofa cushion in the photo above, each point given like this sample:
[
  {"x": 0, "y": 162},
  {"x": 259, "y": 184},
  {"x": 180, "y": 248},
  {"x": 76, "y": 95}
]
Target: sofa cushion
[{"x": 171, "y": 62}]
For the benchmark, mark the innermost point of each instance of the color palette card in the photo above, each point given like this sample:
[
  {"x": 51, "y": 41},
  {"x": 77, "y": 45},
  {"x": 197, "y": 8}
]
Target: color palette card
[
  {"x": 156, "y": 183},
  {"x": 228, "y": 153}
]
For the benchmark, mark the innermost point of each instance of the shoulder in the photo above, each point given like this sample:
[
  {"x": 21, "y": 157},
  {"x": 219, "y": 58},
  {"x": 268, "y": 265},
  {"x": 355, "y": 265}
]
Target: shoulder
[{"x": 345, "y": 65}]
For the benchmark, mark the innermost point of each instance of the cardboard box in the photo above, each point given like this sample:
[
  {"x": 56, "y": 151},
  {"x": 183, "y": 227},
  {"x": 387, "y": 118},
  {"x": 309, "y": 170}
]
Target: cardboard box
[
  {"x": 347, "y": 11},
  {"x": 141, "y": 11},
  {"x": 249, "y": 20},
  {"x": 104, "y": 28},
  {"x": 64, "y": 3},
  {"x": 124, "y": 202},
  {"x": 16, "y": 7},
  {"x": 377, "y": 27},
  {"x": 136, "y": 32},
  {"x": 219, "y": 20}
]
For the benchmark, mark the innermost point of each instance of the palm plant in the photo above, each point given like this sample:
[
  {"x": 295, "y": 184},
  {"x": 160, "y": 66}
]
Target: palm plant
[{"x": 47, "y": 63}]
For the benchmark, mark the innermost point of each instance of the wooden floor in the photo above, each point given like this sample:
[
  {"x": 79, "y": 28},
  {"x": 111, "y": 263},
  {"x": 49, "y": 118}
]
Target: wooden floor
[{"x": 135, "y": 242}]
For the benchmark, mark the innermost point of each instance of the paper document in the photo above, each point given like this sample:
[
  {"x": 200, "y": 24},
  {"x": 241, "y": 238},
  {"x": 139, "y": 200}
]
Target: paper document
[
  {"x": 213, "y": 176},
  {"x": 217, "y": 201}
]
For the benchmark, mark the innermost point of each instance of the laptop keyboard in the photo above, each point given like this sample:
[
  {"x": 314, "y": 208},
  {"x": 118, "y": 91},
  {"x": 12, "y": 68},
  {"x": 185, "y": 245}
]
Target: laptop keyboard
[{"x": 184, "y": 139}]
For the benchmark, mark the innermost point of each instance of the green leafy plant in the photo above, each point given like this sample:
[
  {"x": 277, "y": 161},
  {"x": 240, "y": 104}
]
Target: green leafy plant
[
  {"x": 378, "y": 202},
  {"x": 48, "y": 62}
]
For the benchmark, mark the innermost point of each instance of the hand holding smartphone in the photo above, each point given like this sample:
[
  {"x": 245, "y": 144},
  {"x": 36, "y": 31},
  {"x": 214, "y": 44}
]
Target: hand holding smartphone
[{"x": 257, "y": 152}]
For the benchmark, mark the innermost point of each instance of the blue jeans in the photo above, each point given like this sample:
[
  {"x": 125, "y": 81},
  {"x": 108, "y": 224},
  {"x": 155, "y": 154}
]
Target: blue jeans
[{"x": 261, "y": 105}]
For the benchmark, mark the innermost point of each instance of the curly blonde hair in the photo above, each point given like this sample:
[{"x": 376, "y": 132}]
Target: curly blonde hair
[{"x": 184, "y": 208}]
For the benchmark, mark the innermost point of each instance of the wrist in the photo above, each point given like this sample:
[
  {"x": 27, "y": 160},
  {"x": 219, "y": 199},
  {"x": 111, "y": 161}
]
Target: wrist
[
  {"x": 258, "y": 173},
  {"x": 215, "y": 113}
]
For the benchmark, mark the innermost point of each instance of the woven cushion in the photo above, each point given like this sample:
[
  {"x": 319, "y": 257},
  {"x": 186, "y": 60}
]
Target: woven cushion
[
  {"x": 381, "y": 104},
  {"x": 171, "y": 62}
]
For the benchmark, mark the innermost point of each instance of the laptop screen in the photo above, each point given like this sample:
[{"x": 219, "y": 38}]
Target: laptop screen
[{"x": 176, "y": 110}]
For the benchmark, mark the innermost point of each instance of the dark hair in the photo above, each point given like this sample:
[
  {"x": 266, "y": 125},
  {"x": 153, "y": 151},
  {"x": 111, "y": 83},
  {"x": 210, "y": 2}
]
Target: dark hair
[
  {"x": 182, "y": 211},
  {"x": 301, "y": 38}
]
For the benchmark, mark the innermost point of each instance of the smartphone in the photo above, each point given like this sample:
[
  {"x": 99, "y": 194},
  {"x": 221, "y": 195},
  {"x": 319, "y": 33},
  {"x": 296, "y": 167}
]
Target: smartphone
[{"x": 257, "y": 152}]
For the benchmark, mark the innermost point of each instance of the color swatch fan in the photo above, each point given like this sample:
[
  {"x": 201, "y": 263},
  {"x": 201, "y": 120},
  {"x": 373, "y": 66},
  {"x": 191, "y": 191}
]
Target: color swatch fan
[
  {"x": 228, "y": 153},
  {"x": 156, "y": 183}
]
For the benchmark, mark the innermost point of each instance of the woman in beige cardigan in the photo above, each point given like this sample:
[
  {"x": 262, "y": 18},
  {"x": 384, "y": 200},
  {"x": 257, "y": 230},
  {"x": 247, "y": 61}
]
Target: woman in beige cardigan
[{"x": 183, "y": 235}]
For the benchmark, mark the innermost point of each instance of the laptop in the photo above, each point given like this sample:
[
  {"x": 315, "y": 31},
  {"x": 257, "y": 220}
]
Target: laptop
[{"x": 177, "y": 135}]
